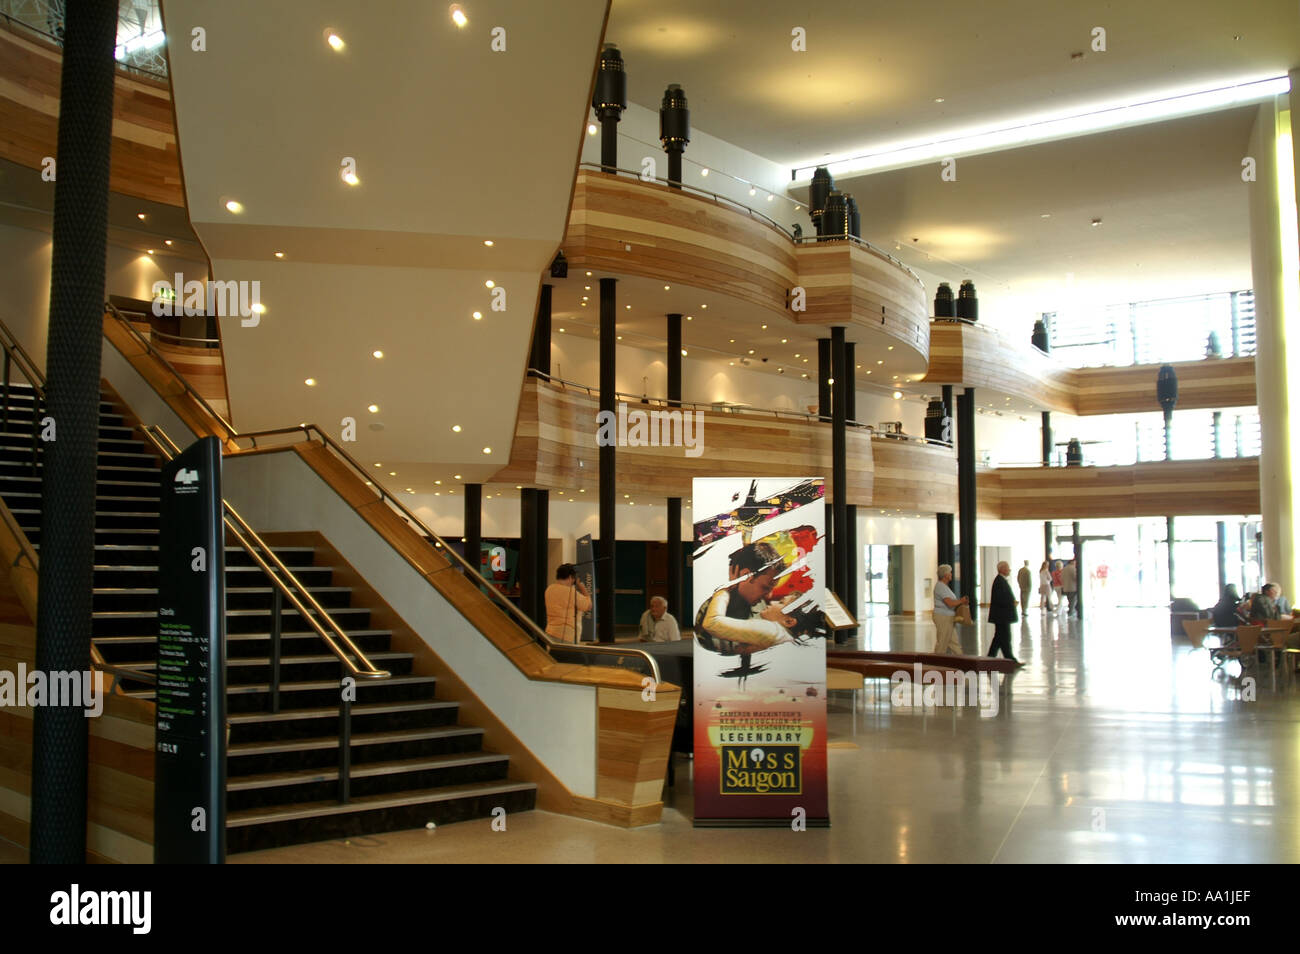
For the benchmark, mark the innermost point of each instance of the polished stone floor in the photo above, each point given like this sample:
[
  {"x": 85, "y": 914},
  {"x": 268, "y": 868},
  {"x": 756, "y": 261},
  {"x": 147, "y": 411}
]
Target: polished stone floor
[{"x": 1115, "y": 745}]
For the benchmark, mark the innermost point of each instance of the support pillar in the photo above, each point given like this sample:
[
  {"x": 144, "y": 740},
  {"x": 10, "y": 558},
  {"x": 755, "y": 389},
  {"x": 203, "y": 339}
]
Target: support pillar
[
  {"x": 1079, "y": 577},
  {"x": 539, "y": 356},
  {"x": 63, "y": 623},
  {"x": 1221, "y": 552},
  {"x": 473, "y": 526},
  {"x": 604, "y": 595},
  {"x": 947, "y": 541},
  {"x": 966, "y": 497},
  {"x": 1169, "y": 546},
  {"x": 1047, "y": 462},
  {"x": 853, "y": 553},
  {"x": 530, "y": 598},
  {"x": 674, "y": 528},
  {"x": 839, "y": 468}
]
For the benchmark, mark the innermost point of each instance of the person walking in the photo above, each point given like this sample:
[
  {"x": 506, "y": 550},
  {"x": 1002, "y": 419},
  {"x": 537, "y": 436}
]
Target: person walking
[
  {"x": 1045, "y": 587},
  {"x": 1025, "y": 578},
  {"x": 1070, "y": 587},
  {"x": 1002, "y": 613},
  {"x": 945, "y": 612}
]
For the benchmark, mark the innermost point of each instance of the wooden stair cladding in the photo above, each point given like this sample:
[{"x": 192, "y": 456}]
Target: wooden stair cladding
[{"x": 412, "y": 762}]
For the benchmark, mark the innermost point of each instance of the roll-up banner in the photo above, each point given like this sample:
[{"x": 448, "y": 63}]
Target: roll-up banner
[{"x": 760, "y": 651}]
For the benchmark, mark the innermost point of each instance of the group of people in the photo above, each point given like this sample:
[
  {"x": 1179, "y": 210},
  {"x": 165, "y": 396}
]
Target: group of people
[
  {"x": 567, "y": 600},
  {"x": 1233, "y": 610},
  {"x": 1058, "y": 585}
]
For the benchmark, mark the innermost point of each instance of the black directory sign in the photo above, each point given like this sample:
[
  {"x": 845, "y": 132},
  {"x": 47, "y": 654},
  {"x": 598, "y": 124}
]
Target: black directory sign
[{"x": 189, "y": 822}]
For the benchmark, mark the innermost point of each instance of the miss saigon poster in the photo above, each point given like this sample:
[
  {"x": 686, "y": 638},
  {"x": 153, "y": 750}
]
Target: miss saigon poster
[{"x": 760, "y": 651}]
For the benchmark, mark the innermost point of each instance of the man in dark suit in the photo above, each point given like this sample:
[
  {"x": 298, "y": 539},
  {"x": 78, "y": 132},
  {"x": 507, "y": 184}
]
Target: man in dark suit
[{"x": 1002, "y": 613}]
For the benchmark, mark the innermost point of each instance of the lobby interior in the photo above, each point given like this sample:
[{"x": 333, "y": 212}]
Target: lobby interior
[{"x": 462, "y": 255}]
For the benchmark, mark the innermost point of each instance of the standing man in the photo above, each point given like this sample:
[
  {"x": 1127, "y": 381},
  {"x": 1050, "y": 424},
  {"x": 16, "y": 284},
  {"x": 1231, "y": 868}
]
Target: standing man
[
  {"x": 566, "y": 599},
  {"x": 1070, "y": 587},
  {"x": 657, "y": 624},
  {"x": 1026, "y": 580},
  {"x": 1002, "y": 613},
  {"x": 945, "y": 613}
]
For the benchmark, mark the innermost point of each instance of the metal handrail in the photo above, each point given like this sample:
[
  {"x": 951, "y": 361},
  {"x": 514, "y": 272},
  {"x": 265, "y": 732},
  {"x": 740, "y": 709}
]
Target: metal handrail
[
  {"x": 14, "y": 349},
  {"x": 241, "y": 531},
  {"x": 539, "y": 635},
  {"x": 189, "y": 388},
  {"x": 718, "y": 408},
  {"x": 182, "y": 340},
  {"x": 716, "y": 197}
]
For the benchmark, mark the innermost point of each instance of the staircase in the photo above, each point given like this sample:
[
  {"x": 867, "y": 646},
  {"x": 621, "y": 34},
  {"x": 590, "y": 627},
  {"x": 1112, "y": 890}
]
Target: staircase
[{"x": 411, "y": 761}]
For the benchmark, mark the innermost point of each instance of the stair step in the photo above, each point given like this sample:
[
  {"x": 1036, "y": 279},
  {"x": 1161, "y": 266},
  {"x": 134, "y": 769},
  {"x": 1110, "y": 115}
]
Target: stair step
[
  {"x": 332, "y": 712},
  {"x": 364, "y": 770},
  {"x": 239, "y": 749},
  {"x": 239, "y": 661},
  {"x": 269, "y": 815},
  {"x": 309, "y": 685}
]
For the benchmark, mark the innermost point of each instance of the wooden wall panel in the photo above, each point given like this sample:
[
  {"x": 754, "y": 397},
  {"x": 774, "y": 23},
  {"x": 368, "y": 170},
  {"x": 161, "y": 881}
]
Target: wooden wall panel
[
  {"x": 1209, "y": 383},
  {"x": 1148, "y": 489},
  {"x": 848, "y": 284},
  {"x": 980, "y": 356},
  {"x": 145, "y": 161},
  {"x": 555, "y": 432},
  {"x": 910, "y": 475},
  {"x": 678, "y": 237}
]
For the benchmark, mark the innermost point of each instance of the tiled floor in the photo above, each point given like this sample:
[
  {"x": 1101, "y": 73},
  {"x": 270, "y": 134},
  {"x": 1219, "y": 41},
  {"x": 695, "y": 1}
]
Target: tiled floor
[{"x": 1114, "y": 746}]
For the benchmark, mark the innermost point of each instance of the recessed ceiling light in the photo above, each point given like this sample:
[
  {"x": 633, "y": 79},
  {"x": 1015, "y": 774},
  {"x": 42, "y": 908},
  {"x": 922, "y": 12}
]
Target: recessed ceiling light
[
  {"x": 456, "y": 476},
  {"x": 586, "y": 287},
  {"x": 311, "y": 383},
  {"x": 488, "y": 242},
  {"x": 628, "y": 307},
  {"x": 149, "y": 251},
  {"x": 770, "y": 198},
  {"x": 1096, "y": 222},
  {"x": 684, "y": 352},
  {"x": 377, "y": 354},
  {"x": 561, "y": 331},
  {"x": 765, "y": 327},
  {"x": 620, "y": 337},
  {"x": 458, "y": 15},
  {"x": 140, "y": 216},
  {"x": 351, "y": 178},
  {"x": 258, "y": 308},
  {"x": 279, "y": 254},
  {"x": 690, "y": 317},
  {"x": 1046, "y": 215},
  {"x": 234, "y": 207},
  {"x": 751, "y": 350},
  {"x": 938, "y": 99},
  {"x": 879, "y": 362},
  {"x": 753, "y": 191},
  {"x": 168, "y": 242},
  {"x": 589, "y": 274},
  {"x": 335, "y": 41},
  {"x": 890, "y": 348},
  {"x": 456, "y": 428},
  {"x": 373, "y": 409},
  {"x": 591, "y": 129},
  {"x": 783, "y": 340},
  {"x": 392, "y": 473},
  {"x": 897, "y": 395},
  {"x": 704, "y": 172},
  {"x": 487, "y": 450},
  {"x": 490, "y": 284},
  {"x": 666, "y": 288},
  {"x": 378, "y": 464},
  {"x": 478, "y": 315}
]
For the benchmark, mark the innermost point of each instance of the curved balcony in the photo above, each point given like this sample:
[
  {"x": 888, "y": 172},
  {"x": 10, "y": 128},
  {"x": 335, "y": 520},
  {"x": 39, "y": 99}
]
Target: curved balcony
[
  {"x": 978, "y": 356},
  {"x": 624, "y": 227},
  {"x": 145, "y": 162},
  {"x": 1161, "y": 488}
]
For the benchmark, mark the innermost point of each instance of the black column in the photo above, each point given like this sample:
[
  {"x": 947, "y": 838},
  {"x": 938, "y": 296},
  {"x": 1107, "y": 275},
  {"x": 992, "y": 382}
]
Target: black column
[
  {"x": 853, "y": 574},
  {"x": 1047, "y": 462},
  {"x": 1169, "y": 539},
  {"x": 1221, "y": 552},
  {"x": 474, "y": 526},
  {"x": 605, "y": 565},
  {"x": 541, "y": 535},
  {"x": 947, "y": 542},
  {"x": 966, "y": 497},
  {"x": 824, "y": 375},
  {"x": 1079, "y": 578},
  {"x": 674, "y": 529},
  {"x": 539, "y": 357},
  {"x": 529, "y": 599},
  {"x": 839, "y": 468},
  {"x": 63, "y": 619}
]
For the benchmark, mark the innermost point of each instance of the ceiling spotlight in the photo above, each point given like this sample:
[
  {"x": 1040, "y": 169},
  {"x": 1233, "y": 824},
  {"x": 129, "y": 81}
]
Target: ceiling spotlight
[
  {"x": 487, "y": 450},
  {"x": 897, "y": 395},
  {"x": 591, "y": 129},
  {"x": 770, "y": 198},
  {"x": 589, "y": 274},
  {"x": 879, "y": 362},
  {"x": 279, "y": 254},
  {"x": 149, "y": 251},
  {"x": 684, "y": 352},
  {"x": 258, "y": 308},
  {"x": 378, "y": 464},
  {"x": 140, "y": 216},
  {"x": 335, "y": 41},
  {"x": 666, "y": 288},
  {"x": 233, "y": 207},
  {"x": 392, "y": 473},
  {"x": 350, "y": 178},
  {"x": 488, "y": 242},
  {"x": 377, "y": 354},
  {"x": 1096, "y": 222},
  {"x": 753, "y": 191},
  {"x": 458, "y": 15},
  {"x": 168, "y": 242},
  {"x": 311, "y": 383},
  {"x": 783, "y": 340},
  {"x": 478, "y": 315},
  {"x": 456, "y": 428},
  {"x": 704, "y": 172},
  {"x": 373, "y": 409},
  {"x": 490, "y": 283},
  {"x": 938, "y": 99},
  {"x": 456, "y": 476},
  {"x": 561, "y": 330}
]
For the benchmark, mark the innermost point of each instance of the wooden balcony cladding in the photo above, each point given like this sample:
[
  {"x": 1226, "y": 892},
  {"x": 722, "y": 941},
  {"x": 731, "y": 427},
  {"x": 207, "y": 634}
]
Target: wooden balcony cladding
[
  {"x": 849, "y": 284},
  {"x": 678, "y": 237},
  {"x": 1147, "y": 489},
  {"x": 978, "y": 356},
  {"x": 555, "y": 446},
  {"x": 145, "y": 163},
  {"x": 913, "y": 476},
  {"x": 1209, "y": 383}
]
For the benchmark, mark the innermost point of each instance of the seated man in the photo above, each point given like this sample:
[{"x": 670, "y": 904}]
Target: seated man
[
  {"x": 738, "y": 617},
  {"x": 1264, "y": 607},
  {"x": 657, "y": 624}
]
